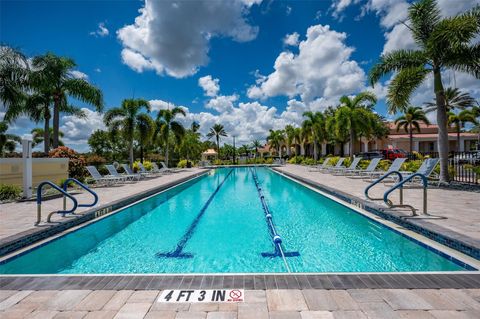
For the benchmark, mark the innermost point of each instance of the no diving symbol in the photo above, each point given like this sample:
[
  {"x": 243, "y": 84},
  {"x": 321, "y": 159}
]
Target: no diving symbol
[{"x": 236, "y": 295}]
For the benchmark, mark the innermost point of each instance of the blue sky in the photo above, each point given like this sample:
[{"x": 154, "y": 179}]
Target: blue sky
[{"x": 251, "y": 65}]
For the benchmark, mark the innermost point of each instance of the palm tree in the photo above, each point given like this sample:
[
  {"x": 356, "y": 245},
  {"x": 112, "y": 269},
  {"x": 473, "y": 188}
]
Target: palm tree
[
  {"x": 7, "y": 141},
  {"x": 275, "y": 139},
  {"x": 256, "y": 144},
  {"x": 14, "y": 74},
  {"x": 315, "y": 126},
  {"x": 217, "y": 130},
  {"x": 410, "y": 121},
  {"x": 289, "y": 138},
  {"x": 353, "y": 115},
  {"x": 38, "y": 136},
  {"x": 126, "y": 119},
  {"x": 459, "y": 120},
  {"x": 442, "y": 43},
  {"x": 54, "y": 75},
  {"x": 297, "y": 139},
  {"x": 454, "y": 99},
  {"x": 145, "y": 132},
  {"x": 166, "y": 124}
]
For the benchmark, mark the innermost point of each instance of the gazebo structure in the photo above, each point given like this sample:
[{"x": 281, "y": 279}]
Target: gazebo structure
[{"x": 209, "y": 155}]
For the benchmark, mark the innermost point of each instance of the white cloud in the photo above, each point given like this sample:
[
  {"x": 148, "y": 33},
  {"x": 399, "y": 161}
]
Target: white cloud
[
  {"x": 98, "y": 70},
  {"x": 291, "y": 39},
  {"x": 322, "y": 68},
  {"x": 78, "y": 130},
  {"x": 102, "y": 30},
  {"x": 173, "y": 38},
  {"x": 79, "y": 75},
  {"x": 222, "y": 103},
  {"x": 338, "y": 6},
  {"x": 209, "y": 85}
]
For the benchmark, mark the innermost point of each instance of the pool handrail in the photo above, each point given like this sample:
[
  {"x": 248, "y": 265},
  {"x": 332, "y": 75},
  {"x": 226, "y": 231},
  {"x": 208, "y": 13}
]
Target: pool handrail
[
  {"x": 85, "y": 187},
  {"x": 400, "y": 178},
  {"x": 39, "y": 201},
  {"x": 400, "y": 186}
]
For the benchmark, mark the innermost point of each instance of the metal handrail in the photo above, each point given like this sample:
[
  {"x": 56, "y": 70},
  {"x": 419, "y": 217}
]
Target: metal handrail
[
  {"x": 400, "y": 177},
  {"x": 39, "y": 201},
  {"x": 400, "y": 185},
  {"x": 85, "y": 187}
]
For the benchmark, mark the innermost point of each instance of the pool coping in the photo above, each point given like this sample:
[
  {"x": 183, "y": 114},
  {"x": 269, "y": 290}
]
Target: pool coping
[
  {"x": 439, "y": 234},
  {"x": 31, "y": 236},
  {"x": 258, "y": 281}
]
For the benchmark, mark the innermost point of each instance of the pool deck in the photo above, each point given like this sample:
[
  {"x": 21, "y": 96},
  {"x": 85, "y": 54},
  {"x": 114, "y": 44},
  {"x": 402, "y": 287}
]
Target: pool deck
[{"x": 461, "y": 208}]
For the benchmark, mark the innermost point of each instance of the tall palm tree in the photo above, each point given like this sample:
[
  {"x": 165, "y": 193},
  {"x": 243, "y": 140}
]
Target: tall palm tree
[
  {"x": 7, "y": 141},
  {"x": 353, "y": 115},
  {"x": 126, "y": 119},
  {"x": 442, "y": 43},
  {"x": 411, "y": 120},
  {"x": 54, "y": 75},
  {"x": 216, "y": 131},
  {"x": 145, "y": 132},
  {"x": 166, "y": 124},
  {"x": 459, "y": 120},
  {"x": 275, "y": 139},
  {"x": 297, "y": 139},
  {"x": 315, "y": 126},
  {"x": 289, "y": 138},
  {"x": 256, "y": 144},
  {"x": 14, "y": 74},
  {"x": 38, "y": 136},
  {"x": 454, "y": 99}
]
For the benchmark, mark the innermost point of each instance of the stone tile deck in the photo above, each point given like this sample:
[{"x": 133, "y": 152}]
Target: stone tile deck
[
  {"x": 298, "y": 304},
  {"x": 18, "y": 218},
  {"x": 461, "y": 208}
]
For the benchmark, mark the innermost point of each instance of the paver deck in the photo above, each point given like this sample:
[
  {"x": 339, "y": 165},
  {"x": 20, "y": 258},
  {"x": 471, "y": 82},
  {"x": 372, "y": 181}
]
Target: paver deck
[
  {"x": 20, "y": 216},
  {"x": 461, "y": 208},
  {"x": 302, "y": 304}
]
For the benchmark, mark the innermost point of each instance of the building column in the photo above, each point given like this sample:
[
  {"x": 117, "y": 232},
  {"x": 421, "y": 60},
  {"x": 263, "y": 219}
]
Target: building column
[
  {"x": 324, "y": 149},
  {"x": 346, "y": 148},
  {"x": 365, "y": 146},
  {"x": 462, "y": 144},
  {"x": 416, "y": 146}
]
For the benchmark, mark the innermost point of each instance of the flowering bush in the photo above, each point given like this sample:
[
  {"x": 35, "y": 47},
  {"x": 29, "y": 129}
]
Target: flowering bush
[
  {"x": 76, "y": 163},
  {"x": 95, "y": 160}
]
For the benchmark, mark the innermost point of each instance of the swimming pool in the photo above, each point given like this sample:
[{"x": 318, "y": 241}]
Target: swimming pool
[{"x": 217, "y": 224}]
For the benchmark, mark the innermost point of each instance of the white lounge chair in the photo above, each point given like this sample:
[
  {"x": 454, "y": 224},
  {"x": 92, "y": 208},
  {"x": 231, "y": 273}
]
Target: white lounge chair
[
  {"x": 143, "y": 170},
  {"x": 362, "y": 172},
  {"x": 427, "y": 169},
  {"x": 319, "y": 167},
  {"x": 342, "y": 170},
  {"x": 129, "y": 171},
  {"x": 396, "y": 165},
  {"x": 127, "y": 177},
  {"x": 339, "y": 164},
  {"x": 99, "y": 179},
  {"x": 167, "y": 169}
]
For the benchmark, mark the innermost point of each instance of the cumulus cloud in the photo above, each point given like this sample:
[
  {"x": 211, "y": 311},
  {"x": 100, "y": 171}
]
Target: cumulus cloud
[
  {"x": 79, "y": 75},
  {"x": 322, "y": 69},
  {"x": 78, "y": 130},
  {"x": 101, "y": 31},
  {"x": 291, "y": 39},
  {"x": 338, "y": 6},
  {"x": 222, "y": 103},
  {"x": 209, "y": 85},
  {"x": 173, "y": 38}
]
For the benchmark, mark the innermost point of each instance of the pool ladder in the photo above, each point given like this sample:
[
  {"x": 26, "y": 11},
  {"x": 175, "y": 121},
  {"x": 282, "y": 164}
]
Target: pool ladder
[
  {"x": 399, "y": 185},
  {"x": 66, "y": 195}
]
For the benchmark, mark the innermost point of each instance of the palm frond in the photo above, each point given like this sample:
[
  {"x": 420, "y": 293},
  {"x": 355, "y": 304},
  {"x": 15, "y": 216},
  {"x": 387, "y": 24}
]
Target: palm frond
[
  {"x": 396, "y": 61},
  {"x": 85, "y": 92},
  {"x": 402, "y": 87}
]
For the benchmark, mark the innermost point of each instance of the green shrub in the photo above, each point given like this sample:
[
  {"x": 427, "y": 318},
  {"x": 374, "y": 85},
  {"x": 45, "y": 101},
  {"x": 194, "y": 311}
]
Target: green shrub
[
  {"x": 9, "y": 192},
  {"x": 76, "y": 163},
  {"x": 383, "y": 165},
  {"x": 411, "y": 166},
  {"x": 182, "y": 163},
  {"x": 309, "y": 161},
  {"x": 333, "y": 161},
  {"x": 102, "y": 169},
  {"x": 269, "y": 161},
  {"x": 363, "y": 164},
  {"x": 147, "y": 164},
  {"x": 296, "y": 160}
]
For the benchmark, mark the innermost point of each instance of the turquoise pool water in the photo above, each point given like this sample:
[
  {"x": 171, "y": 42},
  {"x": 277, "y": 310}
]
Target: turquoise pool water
[{"x": 216, "y": 223}]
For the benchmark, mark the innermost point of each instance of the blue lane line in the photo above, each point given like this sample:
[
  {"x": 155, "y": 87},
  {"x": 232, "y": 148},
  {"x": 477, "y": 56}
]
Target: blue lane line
[
  {"x": 277, "y": 240},
  {"x": 178, "y": 252}
]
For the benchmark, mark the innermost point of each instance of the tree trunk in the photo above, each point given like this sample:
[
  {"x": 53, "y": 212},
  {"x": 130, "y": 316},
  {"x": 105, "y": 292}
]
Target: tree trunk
[
  {"x": 302, "y": 149},
  {"x": 166, "y": 153},
  {"x": 342, "y": 151},
  {"x": 442, "y": 125},
  {"x": 130, "y": 155},
  {"x": 411, "y": 138},
  {"x": 351, "y": 143},
  {"x": 46, "y": 134},
  {"x": 56, "y": 120},
  {"x": 218, "y": 147},
  {"x": 315, "y": 150},
  {"x": 289, "y": 151},
  {"x": 141, "y": 153}
]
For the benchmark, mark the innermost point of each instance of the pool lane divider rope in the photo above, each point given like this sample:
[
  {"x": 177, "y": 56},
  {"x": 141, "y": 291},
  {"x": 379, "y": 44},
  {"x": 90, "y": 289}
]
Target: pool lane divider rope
[
  {"x": 277, "y": 240},
  {"x": 178, "y": 252}
]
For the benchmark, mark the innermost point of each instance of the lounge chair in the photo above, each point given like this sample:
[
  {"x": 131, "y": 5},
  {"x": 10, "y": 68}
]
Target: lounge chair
[
  {"x": 362, "y": 172},
  {"x": 166, "y": 169},
  {"x": 129, "y": 171},
  {"x": 396, "y": 165},
  {"x": 127, "y": 177},
  {"x": 427, "y": 169},
  {"x": 339, "y": 164},
  {"x": 343, "y": 170},
  {"x": 99, "y": 179},
  {"x": 143, "y": 170},
  {"x": 319, "y": 167}
]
